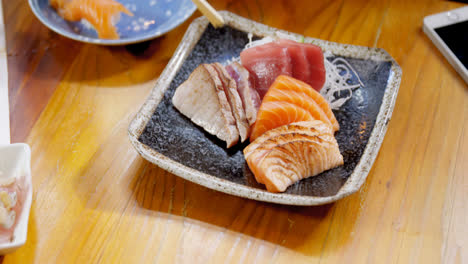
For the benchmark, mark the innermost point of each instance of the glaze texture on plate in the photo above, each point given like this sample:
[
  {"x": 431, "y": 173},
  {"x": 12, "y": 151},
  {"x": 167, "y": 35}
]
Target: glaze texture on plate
[
  {"x": 167, "y": 138},
  {"x": 151, "y": 18}
]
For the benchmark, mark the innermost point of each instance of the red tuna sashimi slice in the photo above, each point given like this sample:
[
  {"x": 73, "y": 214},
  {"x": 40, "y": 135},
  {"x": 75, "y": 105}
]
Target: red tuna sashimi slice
[
  {"x": 265, "y": 63},
  {"x": 302, "y": 61},
  {"x": 307, "y": 62}
]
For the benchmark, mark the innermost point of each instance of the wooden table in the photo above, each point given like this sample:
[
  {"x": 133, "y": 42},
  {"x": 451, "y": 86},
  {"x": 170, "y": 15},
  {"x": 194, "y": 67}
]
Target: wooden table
[{"x": 96, "y": 200}]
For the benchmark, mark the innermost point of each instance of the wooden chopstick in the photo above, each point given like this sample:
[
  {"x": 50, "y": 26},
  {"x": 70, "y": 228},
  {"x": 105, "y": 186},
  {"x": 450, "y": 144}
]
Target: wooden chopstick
[{"x": 209, "y": 12}]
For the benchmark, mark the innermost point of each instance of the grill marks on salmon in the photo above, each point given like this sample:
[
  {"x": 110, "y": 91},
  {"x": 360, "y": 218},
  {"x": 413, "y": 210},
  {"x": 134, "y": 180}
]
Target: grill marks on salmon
[
  {"x": 257, "y": 149},
  {"x": 293, "y": 128},
  {"x": 101, "y": 14},
  {"x": 289, "y": 153}
]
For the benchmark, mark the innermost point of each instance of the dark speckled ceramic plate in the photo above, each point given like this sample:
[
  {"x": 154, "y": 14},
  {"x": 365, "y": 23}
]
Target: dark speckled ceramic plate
[{"x": 165, "y": 137}]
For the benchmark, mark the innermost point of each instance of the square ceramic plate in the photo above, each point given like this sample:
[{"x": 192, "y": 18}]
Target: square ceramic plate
[{"x": 168, "y": 139}]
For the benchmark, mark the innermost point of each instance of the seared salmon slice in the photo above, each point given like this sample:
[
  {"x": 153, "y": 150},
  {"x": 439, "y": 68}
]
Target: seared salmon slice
[{"x": 289, "y": 153}]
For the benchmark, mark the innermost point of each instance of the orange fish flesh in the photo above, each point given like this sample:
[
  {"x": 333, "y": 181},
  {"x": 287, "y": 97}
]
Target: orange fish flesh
[
  {"x": 101, "y": 14},
  {"x": 287, "y": 154}
]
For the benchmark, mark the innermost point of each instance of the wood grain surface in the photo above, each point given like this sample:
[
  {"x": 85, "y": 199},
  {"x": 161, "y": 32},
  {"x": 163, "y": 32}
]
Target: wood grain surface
[{"x": 97, "y": 201}]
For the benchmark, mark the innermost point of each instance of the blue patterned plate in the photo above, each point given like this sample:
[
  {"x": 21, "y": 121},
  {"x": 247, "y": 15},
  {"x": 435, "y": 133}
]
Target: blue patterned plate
[{"x": 152, "y": 18}]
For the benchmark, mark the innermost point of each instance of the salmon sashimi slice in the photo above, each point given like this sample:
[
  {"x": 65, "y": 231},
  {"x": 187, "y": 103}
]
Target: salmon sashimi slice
[
  {"x": 101, "y": 14},
  {"x": 289, "y": 153},
  {"x": 234, "y": 99},
  {"x": 273, "y": 114},
  {"x": 289, "y": 84},
  {"x": 299, "y": 99}
]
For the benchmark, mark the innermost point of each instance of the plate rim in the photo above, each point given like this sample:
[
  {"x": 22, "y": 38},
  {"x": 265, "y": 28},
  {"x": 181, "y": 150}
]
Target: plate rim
[
  {"x": 107, "y": 42},
  {"x": 188, "y": 42}
]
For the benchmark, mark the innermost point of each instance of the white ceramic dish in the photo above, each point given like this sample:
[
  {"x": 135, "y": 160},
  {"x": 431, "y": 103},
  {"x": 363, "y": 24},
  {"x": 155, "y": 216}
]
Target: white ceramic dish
[{"x": 15, "y": 160}]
